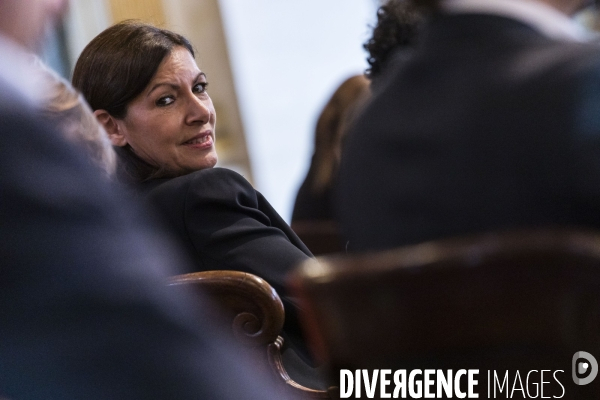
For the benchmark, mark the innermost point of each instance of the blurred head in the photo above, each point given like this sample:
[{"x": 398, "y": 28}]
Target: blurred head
[
  {"x": 27, "y": 21},
  {"x": 64, "y": 106},
  {"x": 334, "y": 121},
  {"x": 147, "y": 91}
]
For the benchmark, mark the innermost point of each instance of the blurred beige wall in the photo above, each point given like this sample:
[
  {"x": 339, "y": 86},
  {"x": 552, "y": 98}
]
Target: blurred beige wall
[
  {"x": 146, "y": 10},
  {"x": 198, "y": 20}
]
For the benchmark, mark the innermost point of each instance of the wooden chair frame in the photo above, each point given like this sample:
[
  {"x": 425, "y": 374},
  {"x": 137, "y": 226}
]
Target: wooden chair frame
[{"x": 255, "y": 313}]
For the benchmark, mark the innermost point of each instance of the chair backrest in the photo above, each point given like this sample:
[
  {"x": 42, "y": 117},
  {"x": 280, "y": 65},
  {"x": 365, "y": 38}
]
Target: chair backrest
[{"x": 517, "y": 300}]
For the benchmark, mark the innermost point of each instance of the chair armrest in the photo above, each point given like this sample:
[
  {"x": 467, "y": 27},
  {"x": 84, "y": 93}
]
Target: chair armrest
[
  {"x": 255, "y": 313},
  {"x": 248, "y": 303}
]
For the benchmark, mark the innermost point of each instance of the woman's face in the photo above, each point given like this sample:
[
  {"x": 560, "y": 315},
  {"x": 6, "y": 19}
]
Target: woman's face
[{"x": 171, "y": 124}]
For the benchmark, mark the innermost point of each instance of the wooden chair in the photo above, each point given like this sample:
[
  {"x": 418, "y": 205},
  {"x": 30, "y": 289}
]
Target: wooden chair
[
  {"x": 254, "y": 311},
  {"x": 508, "y": 301}
]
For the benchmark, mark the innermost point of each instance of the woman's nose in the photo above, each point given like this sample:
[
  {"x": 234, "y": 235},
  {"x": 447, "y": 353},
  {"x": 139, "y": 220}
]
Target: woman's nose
[{"x": 198, "y": 111}]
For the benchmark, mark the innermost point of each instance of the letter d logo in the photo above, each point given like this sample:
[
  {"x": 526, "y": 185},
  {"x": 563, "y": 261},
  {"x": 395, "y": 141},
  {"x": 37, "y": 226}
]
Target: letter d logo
[{"x": 581, "y": 367}]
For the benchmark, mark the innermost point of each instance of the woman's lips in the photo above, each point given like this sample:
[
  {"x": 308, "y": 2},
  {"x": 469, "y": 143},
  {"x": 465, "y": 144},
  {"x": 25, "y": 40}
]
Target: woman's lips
[{"x": 202, "y": 141}]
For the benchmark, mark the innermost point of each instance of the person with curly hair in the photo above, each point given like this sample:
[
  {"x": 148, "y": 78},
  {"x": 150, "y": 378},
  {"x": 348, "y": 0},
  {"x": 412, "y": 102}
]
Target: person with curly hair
[{"x": 491, "y": 124}]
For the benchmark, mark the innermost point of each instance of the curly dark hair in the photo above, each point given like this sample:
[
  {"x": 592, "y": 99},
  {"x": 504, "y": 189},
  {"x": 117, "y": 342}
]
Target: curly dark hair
[{"x": 397, "y": 22}]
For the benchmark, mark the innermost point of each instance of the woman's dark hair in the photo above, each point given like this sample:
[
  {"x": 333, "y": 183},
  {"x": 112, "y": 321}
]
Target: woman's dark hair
[
  {"x": 397, "y": 23},
  {"x": 118, "y": 64},
  {"x": 114, "y": 68}
]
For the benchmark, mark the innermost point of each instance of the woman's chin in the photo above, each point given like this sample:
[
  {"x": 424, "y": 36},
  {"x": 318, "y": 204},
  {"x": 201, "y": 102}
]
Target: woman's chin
[
  {"x": 210, "y": 161},
  {"x": 207, "y": 162}
]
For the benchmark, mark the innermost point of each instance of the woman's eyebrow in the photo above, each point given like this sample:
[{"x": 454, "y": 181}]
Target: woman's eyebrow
[
  {"x": 172, "y": 85},
  {"x": 159, "y": 84}
]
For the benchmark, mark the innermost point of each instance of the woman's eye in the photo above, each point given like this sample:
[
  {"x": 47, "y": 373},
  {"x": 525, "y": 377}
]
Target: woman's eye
[
  {"x": 164, "y": 101},
  {"x": 200, "y": 87}
]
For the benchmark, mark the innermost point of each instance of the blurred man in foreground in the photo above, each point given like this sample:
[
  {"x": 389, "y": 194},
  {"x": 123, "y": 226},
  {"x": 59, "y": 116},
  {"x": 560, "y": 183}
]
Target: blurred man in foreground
[
  {"x": 84, "y": 310},
  {"x": 493, "y": 124}
]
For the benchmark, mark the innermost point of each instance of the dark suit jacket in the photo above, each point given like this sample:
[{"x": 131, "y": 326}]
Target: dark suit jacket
[
  {"x": 488, "y": 126},
  {"x": 225, "y": 224},
  {"x": 84, "y": 310}
]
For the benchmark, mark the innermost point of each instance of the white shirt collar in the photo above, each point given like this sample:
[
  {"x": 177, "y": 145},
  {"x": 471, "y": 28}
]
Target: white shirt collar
[
  {"x": 542, "y": 17},
  {"x": 18, "y": 71}
]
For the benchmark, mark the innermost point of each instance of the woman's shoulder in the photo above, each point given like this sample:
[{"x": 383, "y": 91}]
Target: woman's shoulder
[
  {"x": 215, "y": 178},
  {"x": 205, "y": 182},
  {"x": 217, "y": 173}
]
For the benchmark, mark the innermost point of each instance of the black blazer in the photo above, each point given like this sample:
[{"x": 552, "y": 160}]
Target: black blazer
[
  {"x": 224, "y": 223},
  {"x": 488, "y": 126}
]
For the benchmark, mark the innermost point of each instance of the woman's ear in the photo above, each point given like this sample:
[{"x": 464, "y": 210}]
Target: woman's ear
[{"x": 112, "y": 127}]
